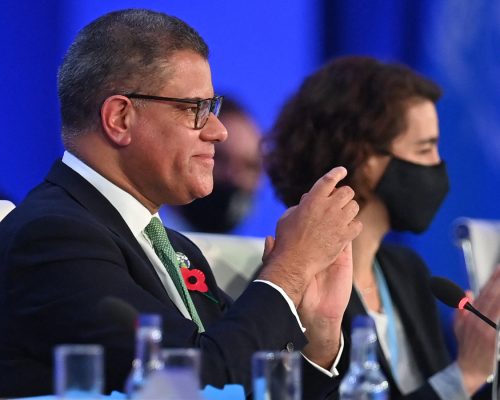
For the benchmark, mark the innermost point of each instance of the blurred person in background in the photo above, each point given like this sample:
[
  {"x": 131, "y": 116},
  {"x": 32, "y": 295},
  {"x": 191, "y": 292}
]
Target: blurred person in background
[
  {"x": 237, "y": 174},
  {"x": 380, "y": 121}
]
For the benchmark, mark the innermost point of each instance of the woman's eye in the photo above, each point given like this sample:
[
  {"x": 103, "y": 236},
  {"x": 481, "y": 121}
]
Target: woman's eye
[{"x": 427, "y": 149}]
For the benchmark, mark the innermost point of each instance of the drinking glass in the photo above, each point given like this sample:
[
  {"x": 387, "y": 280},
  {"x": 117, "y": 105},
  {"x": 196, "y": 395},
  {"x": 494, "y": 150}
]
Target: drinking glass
[
  {"x": 277, "y": 375},
  {"x": 178, "y": 378},
  {"x": 78, "y": 371}
]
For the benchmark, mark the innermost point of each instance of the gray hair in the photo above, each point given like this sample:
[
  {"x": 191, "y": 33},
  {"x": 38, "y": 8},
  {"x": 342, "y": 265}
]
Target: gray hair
[{"x": 122, "y": 51}]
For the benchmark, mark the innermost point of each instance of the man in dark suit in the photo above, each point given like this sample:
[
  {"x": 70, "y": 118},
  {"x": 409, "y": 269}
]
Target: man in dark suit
[{"x": 140, "y": 123}]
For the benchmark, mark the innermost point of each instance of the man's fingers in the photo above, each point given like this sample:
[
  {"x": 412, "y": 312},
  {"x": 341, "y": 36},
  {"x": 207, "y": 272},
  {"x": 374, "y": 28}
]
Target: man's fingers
[
  {"x": 288, "y": 211},
  {"x": 341, "y": 196},
  {"x": 351, "y": 207},
  {"x": 268, "y": 247},
  {"x": 325, "y": 185},
  {"x": 355, "y": 228}
]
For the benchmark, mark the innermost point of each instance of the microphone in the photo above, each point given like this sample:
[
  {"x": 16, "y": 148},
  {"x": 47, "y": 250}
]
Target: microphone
[
  {"x": 119, "y": 311},
  {"x": 452, "y": 295}
]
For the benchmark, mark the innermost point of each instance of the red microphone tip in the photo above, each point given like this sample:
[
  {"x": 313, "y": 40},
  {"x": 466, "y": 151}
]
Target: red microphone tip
[{"x": 462, "y": 303}]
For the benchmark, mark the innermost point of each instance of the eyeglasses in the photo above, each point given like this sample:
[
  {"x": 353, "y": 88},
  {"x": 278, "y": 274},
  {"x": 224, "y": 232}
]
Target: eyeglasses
[{"x": 203, "y": 107}]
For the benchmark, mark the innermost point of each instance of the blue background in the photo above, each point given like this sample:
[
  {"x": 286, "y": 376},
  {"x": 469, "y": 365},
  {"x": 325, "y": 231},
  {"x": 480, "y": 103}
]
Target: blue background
[{"x": 260, "y": 52}]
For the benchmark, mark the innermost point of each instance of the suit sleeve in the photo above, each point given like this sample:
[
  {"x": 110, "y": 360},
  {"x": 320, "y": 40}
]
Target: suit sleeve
[{"x": 61, "y": 267}]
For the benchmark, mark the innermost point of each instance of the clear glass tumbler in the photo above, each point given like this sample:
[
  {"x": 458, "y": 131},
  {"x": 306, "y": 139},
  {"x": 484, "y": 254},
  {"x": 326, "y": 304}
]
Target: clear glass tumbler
[
  {"x": 78, "y": 371},
  {"x": 277, "y": 375}
]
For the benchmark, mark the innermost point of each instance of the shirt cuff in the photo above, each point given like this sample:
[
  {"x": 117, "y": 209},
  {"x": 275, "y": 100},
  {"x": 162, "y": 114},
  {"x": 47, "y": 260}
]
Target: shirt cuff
[
  {"x": 333, "y": 372},
  {"x": 448, "y": 383}
]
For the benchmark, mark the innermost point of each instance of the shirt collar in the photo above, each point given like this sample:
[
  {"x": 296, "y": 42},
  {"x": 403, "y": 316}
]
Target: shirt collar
[{"x": 135, "y": 215}]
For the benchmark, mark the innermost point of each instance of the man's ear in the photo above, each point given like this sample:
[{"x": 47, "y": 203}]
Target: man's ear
[{"x": 116, "y": 112}]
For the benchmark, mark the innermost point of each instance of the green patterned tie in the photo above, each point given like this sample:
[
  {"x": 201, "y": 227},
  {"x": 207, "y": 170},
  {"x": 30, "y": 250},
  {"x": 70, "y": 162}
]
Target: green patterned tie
[{"x": 164, "y": 250}]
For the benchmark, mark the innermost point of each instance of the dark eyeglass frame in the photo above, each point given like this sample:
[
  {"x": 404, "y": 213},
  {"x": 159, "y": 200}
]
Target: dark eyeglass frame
[{"x": 212, "y": 105}]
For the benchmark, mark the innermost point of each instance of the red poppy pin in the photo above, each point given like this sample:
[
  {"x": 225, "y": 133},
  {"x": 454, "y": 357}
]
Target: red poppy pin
[{"x": 193, "y": 278}]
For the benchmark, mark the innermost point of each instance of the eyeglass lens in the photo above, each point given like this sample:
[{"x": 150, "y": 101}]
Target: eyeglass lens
[{"x": 205, "y": 108}]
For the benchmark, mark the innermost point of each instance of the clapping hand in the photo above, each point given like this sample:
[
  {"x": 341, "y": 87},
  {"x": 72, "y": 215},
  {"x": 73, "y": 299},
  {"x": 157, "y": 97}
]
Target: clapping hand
[
  {"x": 311, "y": 260},
  {"x": 323, "y": 307}
]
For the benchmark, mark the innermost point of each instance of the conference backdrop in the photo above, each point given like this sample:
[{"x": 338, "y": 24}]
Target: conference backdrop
[{"x": 260, "y": 52}]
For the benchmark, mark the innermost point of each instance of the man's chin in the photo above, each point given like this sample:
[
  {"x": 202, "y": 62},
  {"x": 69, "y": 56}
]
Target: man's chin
[{"x": 203, "y": 192}]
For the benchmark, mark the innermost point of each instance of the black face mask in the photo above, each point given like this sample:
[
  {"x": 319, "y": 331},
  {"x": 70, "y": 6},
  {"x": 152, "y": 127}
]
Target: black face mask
[
  {"x": 412, "y": 193},
  {"x": 220, "y": 211}
]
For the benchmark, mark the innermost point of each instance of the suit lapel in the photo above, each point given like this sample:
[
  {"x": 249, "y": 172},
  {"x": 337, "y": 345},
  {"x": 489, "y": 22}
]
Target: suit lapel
[{"x": 92, "y": 200}]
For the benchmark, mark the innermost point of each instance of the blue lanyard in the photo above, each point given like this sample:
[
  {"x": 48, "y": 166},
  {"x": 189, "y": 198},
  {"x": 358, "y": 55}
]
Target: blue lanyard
[{"x": 391, "y": 318}]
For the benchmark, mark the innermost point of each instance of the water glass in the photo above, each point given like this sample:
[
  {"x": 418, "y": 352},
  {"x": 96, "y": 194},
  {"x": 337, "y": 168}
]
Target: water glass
[
  {"x": 78, "y": 372},
  {"x": 277, "y": 375},
  {"x": 179, "y": 377}
]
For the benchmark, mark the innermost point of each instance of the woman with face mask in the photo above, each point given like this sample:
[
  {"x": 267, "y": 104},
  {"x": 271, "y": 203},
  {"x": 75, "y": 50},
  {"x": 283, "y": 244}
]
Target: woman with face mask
[{"x": 380, "y": 122}]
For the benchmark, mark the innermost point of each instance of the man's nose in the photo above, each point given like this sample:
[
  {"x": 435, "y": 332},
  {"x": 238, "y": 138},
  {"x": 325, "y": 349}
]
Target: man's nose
[{"x": 214, "y": 130}]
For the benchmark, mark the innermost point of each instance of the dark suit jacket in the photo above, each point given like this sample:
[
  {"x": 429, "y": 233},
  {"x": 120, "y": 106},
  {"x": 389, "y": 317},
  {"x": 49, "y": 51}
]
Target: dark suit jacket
[
  {"x": 408, "y": 281},
  {"x": 65, "y": 248}
]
